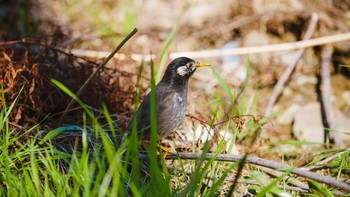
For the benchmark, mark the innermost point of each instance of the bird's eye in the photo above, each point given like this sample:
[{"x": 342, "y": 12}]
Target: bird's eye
[
  {"x": 186, "y": 69},
  {"x": 191, "y": 66}
]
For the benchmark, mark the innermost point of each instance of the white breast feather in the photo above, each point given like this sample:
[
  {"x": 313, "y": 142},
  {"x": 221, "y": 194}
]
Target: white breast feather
[{"x": 177, "y": 97}]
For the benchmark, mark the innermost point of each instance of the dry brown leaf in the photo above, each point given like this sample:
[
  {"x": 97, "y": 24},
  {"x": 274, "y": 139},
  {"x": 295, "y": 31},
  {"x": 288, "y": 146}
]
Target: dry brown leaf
[{"x": 18, "y": 116}]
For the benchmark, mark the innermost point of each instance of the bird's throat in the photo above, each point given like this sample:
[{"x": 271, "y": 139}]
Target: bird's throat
[{"x": 180, "y": 85}]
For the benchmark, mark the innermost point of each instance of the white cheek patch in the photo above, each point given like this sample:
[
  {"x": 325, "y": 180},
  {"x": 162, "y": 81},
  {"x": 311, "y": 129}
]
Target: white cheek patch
[{"x": 182, "y": 70}]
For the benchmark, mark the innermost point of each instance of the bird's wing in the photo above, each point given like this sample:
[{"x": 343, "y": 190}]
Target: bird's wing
[
  {"x": 142, "y": 115},
  {"x": 165, "y": 99}
]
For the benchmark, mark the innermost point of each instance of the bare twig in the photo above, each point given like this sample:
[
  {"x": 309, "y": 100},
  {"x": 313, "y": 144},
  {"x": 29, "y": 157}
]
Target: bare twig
[
  {"x": 285, "y": 76},
  {"x": 287, "y": 178},
  {"x": 287, "y": 187},
  {"x": 256, "y": 119},
  {"x": 264, "y": 49},
  {"x": 224, "y": 52},
  {"x": 205, "y": 124},
  {"x": 249, "y": 182},
  {"x": 103, "y": 54},
  {"x": 16, "y": 125},
  {"x": 13, "y": 42},
  {"x": 261, "y": 162},
  {"x": 326, "y": 92},
  {"x": 328, "y": 159},
  {"x": 82, "y": 88},
  {"x": 58, "y": 49},
  {"x": 200, "y": 120}
]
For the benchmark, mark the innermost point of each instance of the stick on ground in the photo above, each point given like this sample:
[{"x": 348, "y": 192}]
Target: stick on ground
[
  {"x": 326, "y": 92},
  {"x": 262, "y": 162}
]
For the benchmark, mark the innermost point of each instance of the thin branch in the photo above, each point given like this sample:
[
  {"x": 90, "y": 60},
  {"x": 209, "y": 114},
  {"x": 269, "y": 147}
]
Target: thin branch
[
  {"x": 261, "y": 162},
  {"x": 98, "y": 69},
  {"x": 287, "y": 187},
  {"x": 224, "y": 52},
  {"x": 291, "y": 180},
  {"x": 256, "y": 119},
  {"x": 248, "y": 182},
  {"x": 326, "y": 92},
  {"x": 58, "y": 49},
  {"x": 23, "y": 40},
  {"x": 285, "y": 76},
  {"x": 327, "y": 160},
  {"x": 16, "y": 125},
  {"x": 200, "y": 120},
  {"x": 103, "y": 54},
  {"x": 264, "y": 49}
]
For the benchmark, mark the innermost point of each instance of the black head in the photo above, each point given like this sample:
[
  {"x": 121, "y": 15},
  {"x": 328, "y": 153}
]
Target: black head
[{"x": 180, "y": 70}]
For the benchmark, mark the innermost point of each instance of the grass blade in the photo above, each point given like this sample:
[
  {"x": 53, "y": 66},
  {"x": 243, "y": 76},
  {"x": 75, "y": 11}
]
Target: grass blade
[{"x": 163, "y": 58}]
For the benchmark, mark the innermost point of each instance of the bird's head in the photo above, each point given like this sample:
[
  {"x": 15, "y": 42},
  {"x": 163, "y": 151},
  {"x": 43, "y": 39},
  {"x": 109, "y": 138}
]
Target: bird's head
[{"x": 182, "y": 68}]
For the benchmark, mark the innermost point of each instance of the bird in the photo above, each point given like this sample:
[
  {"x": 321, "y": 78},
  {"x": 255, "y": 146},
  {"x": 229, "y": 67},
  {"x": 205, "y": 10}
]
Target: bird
[{"x": 171, "y": 100}]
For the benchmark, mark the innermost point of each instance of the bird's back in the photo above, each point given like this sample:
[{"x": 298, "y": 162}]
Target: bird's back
[{"x": 171, "y": 110}]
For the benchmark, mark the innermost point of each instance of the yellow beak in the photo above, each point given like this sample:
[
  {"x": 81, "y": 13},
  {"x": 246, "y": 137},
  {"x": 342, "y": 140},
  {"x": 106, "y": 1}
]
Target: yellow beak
[{"x": 202, "y": 64}]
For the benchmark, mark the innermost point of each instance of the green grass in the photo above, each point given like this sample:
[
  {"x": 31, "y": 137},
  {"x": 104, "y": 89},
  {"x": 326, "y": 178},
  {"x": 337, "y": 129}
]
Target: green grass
[{"x": 164, "y": 53}]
